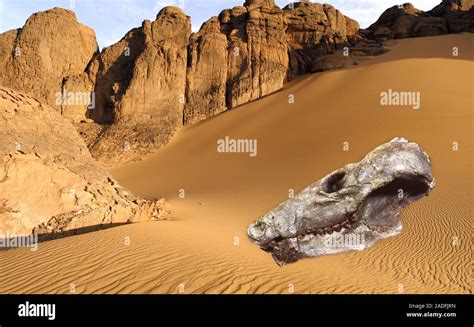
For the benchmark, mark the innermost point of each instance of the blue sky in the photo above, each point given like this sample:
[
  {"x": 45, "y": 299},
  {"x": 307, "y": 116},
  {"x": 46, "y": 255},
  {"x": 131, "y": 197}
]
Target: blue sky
[{"x": 111, "y": 19}]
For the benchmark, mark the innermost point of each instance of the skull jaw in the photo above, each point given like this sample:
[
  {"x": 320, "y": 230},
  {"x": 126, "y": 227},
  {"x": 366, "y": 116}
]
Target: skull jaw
[{"x": 290, "y": 250}]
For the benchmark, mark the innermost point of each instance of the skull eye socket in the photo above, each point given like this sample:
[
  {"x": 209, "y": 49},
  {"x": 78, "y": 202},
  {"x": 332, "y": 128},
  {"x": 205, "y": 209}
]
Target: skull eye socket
[{"x": 334, "y": 182}]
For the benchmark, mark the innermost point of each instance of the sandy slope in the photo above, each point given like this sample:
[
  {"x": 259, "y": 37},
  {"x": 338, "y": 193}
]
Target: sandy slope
[{"x": 297, "y": 144}]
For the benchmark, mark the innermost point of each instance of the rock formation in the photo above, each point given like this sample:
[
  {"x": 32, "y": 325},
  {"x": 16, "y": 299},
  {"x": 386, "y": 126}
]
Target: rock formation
[
  {"x": 49, "y": 183},
  {"x": 140, "y": 87},
  {"x": 458, "y": 14},
  {"x": 243, "y": 54},
  {"x": 314, "y": 31},
  {"x": 235, "y": 58},
  {"x": 7, "y": 48},
  {"x": 37, "y": 58},
  {"x": 160, "y": 76},
  {"x": 407, "y": 21},
  {"x": 456, "y": 5},
  {"x": 206, "y": 79},
  {"x": 348, "y": 209},
  {"x": 251, "y": 51}
]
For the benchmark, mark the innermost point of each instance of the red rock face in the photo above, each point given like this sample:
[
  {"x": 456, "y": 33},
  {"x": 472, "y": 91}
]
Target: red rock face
[
  {"x": 38, "y": 58},
  {"x": 112, "y": 72},
  {"x": 206, "y": 79},
  {"x": 314, "y": 30},
  {"x": 142, "y": 77},
  {"x": 251, "y": 51},
  {"x": 235, "y": 58},
  {"x": 140, "y": 86},
  {"x": 258, "y": 57}
]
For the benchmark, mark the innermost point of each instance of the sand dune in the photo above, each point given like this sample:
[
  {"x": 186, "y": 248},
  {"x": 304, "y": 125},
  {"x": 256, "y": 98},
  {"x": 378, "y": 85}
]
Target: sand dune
[{"x": 203, "y": 247}]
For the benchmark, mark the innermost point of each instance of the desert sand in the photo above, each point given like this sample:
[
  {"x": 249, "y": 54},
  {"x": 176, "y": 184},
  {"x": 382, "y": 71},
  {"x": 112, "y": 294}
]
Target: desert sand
[{"x": 203, "y": 247}]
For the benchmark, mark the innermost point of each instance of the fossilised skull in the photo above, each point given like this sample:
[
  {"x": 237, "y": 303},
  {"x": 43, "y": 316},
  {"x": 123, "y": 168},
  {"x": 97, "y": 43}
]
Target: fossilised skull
[{"x": 350, "y": 208}]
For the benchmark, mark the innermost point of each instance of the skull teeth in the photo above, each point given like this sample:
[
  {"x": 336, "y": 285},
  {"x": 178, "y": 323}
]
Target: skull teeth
[
  {"x": 347, "y": 224},
  {"x": 378, "y": 229}
]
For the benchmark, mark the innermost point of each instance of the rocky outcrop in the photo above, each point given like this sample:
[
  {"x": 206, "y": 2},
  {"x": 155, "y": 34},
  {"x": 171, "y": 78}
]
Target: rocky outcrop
[
  {"x": 49, "y": 183},
  {"x": 152, "y": 58},
  {"x": 250, "y": 51},
  {"x": 455, "y": 5},
  {"x": 315, "y": 30},
  {"x": 140, "y": 87},
  {"x": 206, "y": 80},
  {"x": 406, "y": 21},
  {"x": 160, "y": 76},
  {"x": 396, "y": 22},
  {"x": 258, "y": 56},
  {"x": 458, "y": 14},
  {"x": 7, "y": 48},
  {"x": 350, "y": 208},
  {"x": 235, "y": 58},
  {"x": 37, "y": 59}
]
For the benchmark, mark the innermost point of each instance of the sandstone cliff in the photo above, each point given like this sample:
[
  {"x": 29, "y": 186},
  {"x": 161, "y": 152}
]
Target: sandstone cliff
[
  {"x": 255, "y": 49},
  {"x": 313, "y": 31},
  {"x": 160, "y": 77},
  {"x": 235, "y": 58},
  {"x": 250, "y": 51},
  {"x": 38, "y": 58},
  {"x": 49, "y": 182},
  {"x": 140, "y": 86}
]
